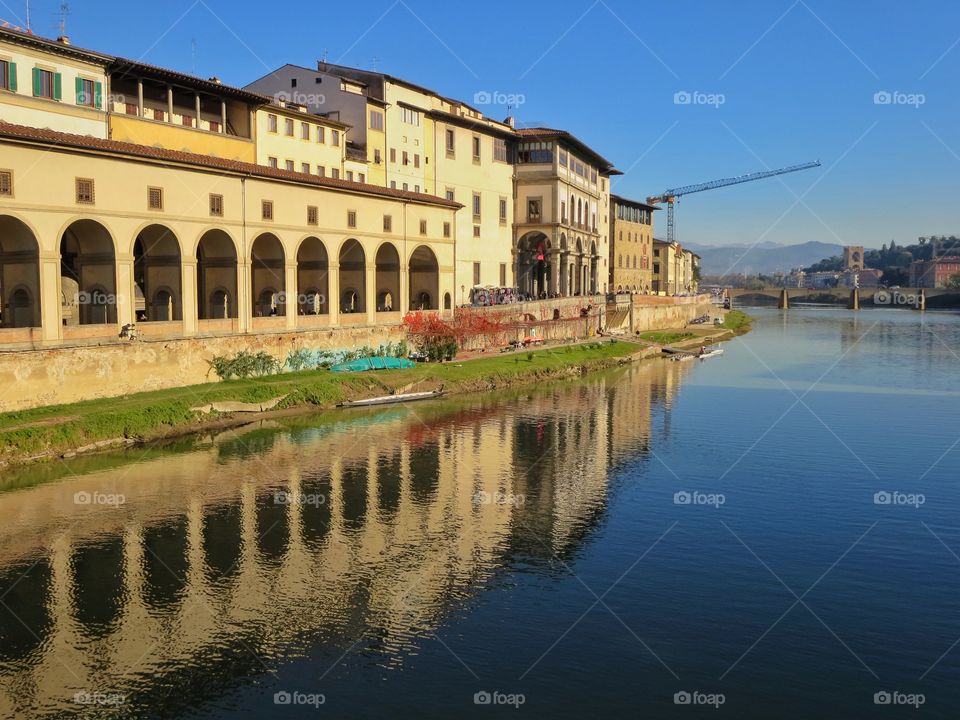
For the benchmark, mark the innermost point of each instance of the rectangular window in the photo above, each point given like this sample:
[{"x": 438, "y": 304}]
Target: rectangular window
[
  {"x": 362, "y": 177},
  {"x": 155, "y": 198},
  {"x": 304, "y": 131},
  {"x": 406, "y": 158},
  {"x": 350, "y": 175},
  {"x": 500, "y": 150},
  {"x": 451, "y": 194},
  {"x": 351, "y": 218},
  {"x": 476, "y": 148},
  {"x": 321, "y": 134},
  {"x": 216, "y": 205},
  {"x": 289, "y": 165},
  {"x": 305, "y": 168},
  {"x": 46, "y": 84},
  {"x": 416, "y": 188},
  {"x": 563, "y": 211},
  {"x": 335, "y": 138},
  {"x": 533, "y": 210},
  {"x": 266, "y": 209},
  {"x": 451, "y": 143},
  {"x": 86, "y": 92},
  {"x": 409, "y": 116},
  {"x": 6, "y": 183},
  {"x": 416, "y": 160},
  {"x": 503, "y": 210},
  {"x": 288, "y": 127},
  {"x": 476, "y": 206},
  {"x": 393, "y": 155},
  {"x": 272, "y": 123},
  {"x": 476, "y": 231},
  {"x": 503, "y": 274},
  {"x": 387, "y": 223},
  {"x": 376, "y": 156},
  {"x": 335, "y": 173},
  {"x": 476, "y": 273},
  {"x": 446, "y": 229},
  {"x": 8, "y": 75},
  {"x": 321, "y": 171},
  {"x": 405, "y": 187},
  {"x": 393, "y": 184},
  {"x": 312, "y": 215},
  {"x": 376, "y": 120},
  {"x": 423, "y": 227},
  {"x": 85, "y": 194}
]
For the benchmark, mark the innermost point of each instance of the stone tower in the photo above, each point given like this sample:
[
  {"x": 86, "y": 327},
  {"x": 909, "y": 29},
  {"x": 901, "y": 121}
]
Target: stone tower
[{"x": 853, "y": 257}]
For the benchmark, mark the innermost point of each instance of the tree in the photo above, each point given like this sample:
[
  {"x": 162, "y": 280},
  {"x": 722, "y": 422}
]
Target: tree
[{"x": 953, "y": 282}]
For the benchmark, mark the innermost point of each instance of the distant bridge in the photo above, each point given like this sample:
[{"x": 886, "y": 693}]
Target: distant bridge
[{"x": 915, "y": 298}]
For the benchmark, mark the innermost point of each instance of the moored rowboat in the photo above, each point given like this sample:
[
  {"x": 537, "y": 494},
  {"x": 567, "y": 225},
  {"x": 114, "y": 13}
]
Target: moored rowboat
[{"x": 392, "y": 399}]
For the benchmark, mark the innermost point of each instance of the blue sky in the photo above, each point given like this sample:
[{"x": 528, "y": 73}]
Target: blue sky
[{"x": 798, "y": 80}]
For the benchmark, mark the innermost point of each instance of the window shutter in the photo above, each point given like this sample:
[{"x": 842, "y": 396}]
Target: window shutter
[
  {"x": 98, "y": 95},
  {"x": 78, "y": 85},
  {"x": 57, "y": 88},
  {"x": 36, "y": 82},
  {"x": 13, "y": 76}
]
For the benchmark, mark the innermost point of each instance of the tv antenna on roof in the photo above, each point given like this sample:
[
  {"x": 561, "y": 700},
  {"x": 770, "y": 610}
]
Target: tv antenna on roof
[
  {"x": 63, "y": 12},
  {"x": 28, "y": 15},
  {"x": 193, "y": 54},
  {"x": 374, "y": 63}
]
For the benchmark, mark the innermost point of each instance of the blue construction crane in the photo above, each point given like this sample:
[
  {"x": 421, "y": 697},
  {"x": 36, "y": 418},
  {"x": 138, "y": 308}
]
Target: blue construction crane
[{"x": 670, "y": 196}]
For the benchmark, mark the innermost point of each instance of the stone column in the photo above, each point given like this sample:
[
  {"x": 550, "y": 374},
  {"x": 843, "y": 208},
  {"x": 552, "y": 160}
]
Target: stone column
[
  {"x": 402, "y": 303},
  {"x": 189, "y": 303},
  {"x": 370, "y": 283},
  {"x": 169, "y": 104},
  {"x": 126, "y": 293},
  {"x": 51, "y": 306},
  {"x": 333, "y": 292},
  {"x": 291, "y": 291},
  {"x": 554, "y": 270},
  {"x": 244, "y": 289},
  {"x": 140, "y": 97}
]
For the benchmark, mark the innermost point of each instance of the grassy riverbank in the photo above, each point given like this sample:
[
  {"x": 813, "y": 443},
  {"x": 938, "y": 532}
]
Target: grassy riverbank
[{"x": 57, "y": 430}]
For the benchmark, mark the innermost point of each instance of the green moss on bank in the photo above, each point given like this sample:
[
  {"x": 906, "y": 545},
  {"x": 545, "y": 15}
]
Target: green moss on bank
[
  {"x": 661, "y": 337},
  {"x": 58, "y": 429},
  {"x": 738, "y": 322}
]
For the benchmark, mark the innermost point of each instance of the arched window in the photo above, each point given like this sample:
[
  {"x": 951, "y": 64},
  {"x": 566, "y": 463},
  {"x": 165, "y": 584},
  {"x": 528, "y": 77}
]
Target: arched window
[{"x": 446, "y": 301}]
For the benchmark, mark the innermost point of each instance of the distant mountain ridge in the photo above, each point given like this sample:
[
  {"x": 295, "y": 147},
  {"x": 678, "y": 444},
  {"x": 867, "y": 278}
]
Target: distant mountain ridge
[{"x": 765, "y": 257}]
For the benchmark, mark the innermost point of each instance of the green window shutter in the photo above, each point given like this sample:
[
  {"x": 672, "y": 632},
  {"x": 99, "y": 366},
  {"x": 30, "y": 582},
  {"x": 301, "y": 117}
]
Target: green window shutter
[
  {"x": 12, "y": 71},
  {"x": 78, "y": 86},
  {"x": 36, "y": 82},
  {"x": 57, "y": 89},
  {"x": 98, "y": 95}
]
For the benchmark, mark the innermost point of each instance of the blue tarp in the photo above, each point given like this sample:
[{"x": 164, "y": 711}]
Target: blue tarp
[{"x": 374, "y": 363}]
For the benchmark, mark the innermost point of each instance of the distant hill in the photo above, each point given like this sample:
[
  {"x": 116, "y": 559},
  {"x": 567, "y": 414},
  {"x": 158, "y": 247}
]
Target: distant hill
[{"x": 765, "y": 257}]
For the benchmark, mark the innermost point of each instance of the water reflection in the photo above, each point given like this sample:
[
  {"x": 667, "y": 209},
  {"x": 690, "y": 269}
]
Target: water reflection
[{"x": 270, "y": 543}]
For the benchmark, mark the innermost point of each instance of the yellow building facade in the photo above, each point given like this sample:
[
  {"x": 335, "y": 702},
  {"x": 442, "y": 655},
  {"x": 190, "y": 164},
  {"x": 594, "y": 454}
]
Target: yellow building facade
[
  {"x": 561, "y": 218},
  {"x": 631, "y": 246},
  {"x": 98, "y": 234}
]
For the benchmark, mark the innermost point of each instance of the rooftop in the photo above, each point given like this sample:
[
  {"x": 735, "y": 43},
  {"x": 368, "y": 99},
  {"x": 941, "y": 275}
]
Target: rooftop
[
  {"x": 85, "y": 142},
  {"x": 605, "y": 165}
]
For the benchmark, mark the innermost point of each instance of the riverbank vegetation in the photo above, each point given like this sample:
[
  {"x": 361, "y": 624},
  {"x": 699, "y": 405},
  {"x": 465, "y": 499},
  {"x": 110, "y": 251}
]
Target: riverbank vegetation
[
  {"x": 738, "y": 322},
  {"x": 56, "y": 430}
]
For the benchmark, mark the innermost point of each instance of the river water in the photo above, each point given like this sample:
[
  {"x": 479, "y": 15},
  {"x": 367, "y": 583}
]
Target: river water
[{"x": 770, "y": 533}]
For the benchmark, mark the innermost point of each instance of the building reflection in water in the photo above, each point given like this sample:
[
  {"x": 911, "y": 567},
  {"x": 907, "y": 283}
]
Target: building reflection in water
[{"x": 259, "y": 545}]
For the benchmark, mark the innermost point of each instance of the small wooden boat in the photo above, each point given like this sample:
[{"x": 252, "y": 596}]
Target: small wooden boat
[
  {"x": 392, "y": 399},
  {"x": 680, "y": 356}
]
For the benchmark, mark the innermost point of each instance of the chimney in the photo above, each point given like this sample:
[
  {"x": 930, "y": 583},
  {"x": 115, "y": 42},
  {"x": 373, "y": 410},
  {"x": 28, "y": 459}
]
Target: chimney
[
  {"x": 509, "y": 121},
  {"x": 64, "y": 39}
]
